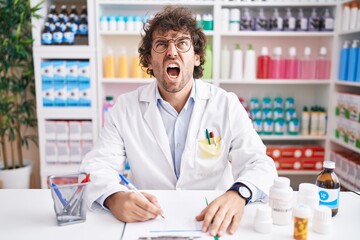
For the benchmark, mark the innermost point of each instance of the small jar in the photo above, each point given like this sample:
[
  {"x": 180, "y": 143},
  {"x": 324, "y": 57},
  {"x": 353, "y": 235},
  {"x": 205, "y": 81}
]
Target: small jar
[
  {"x": 322, "y": 220},
  {"x": 301, "y": 221},
  {"x": 263, "y": 221},
  {"x": 308, "y": 194}
]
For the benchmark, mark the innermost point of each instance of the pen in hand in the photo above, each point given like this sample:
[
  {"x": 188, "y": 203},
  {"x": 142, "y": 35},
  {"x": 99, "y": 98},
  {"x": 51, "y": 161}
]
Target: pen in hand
[{"x": 132, "y": 187}]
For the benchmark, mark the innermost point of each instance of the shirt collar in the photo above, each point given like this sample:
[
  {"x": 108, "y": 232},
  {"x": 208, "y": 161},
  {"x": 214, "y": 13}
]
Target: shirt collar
[{"x": 192, "y": 96}]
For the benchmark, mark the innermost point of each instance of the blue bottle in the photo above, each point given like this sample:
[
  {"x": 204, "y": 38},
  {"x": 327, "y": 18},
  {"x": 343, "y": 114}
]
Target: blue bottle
[
  {"x": 344, "y": 62},
  {"x": 353, "y": 60},
  {"x": 357, "y": 79}
]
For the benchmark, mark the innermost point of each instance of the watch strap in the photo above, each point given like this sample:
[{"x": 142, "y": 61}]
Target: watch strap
[{"x": 236, "y": 186}]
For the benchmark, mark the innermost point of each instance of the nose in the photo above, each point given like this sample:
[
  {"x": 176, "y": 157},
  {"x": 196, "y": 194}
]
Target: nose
[{"x": 172, "y": 51}]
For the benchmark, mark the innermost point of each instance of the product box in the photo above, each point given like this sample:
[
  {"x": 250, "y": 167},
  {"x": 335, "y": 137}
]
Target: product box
[
  {"x": 63, "y": 151},
  {"x": 84, "y": 71},
  {"x": 47, "y": 71},
  {"x": 290, "y": 163},
  {"x": 352, "y": 171},
  {"x": 84, "y": 94},
  {"x": 86, "y": 131},
  {"x": 74, "y": 130},
  {"x": 62, "y": 131},
  {"x": 50, "y": 130},
  {"x": 314, "y": 152},
  {"x": 50, "y": 152},
  {"x": 273, "y": 151},
  {"x": 312, "y": 164},
  {"x": 292, "y": 152},
  {"x": 353, "y": 107},
  {"x": 47, "y": 89},
  {"x": 86, "y": 146},
  {"x": 72, "y": 83},
  {"x": 71, "y": 70},
  {"x": 60, "y": 93},
  {"x": 59, "y": 70},
  {"x": 75, "y": 152}
]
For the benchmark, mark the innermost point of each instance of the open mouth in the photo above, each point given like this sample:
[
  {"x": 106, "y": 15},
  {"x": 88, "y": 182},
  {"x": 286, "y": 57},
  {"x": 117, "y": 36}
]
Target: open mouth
[{"x": 173, "y": 70}]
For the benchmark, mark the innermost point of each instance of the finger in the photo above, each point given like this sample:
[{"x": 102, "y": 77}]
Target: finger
[
  {"x": 217, "y": 221},
  {"x": 209, "y": 217},
  {"x": 201, "y": 215},
  {"x": 152, "y": 199},
  {"x": 235, "y": 222},
  {"x": 225, "y": 223},
  {"x": 150, "y": 210}
]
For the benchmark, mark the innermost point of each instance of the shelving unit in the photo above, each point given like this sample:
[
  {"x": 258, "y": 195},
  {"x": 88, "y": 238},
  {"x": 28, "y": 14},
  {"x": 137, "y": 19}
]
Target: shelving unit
[
  {"x": 72, "y": 52},
  {"x": 318, "y": 92}
]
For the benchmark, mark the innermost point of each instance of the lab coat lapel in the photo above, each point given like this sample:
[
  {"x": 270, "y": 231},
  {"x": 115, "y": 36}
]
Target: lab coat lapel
[
  {"x": 153, "y": 119},
  {"x": 202, "y": 96}
]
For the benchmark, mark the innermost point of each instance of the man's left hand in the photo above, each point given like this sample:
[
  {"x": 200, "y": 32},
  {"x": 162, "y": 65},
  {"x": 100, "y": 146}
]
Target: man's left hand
[{"x": 224, "y": 213}]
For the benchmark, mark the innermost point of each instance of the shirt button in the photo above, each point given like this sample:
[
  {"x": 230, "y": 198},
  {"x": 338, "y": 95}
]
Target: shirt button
[{"x": 178, "y": 145}]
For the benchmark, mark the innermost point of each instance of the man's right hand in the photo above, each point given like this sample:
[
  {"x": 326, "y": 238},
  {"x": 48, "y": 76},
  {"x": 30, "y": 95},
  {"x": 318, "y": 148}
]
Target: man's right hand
[{"x": 131, "y": 207}]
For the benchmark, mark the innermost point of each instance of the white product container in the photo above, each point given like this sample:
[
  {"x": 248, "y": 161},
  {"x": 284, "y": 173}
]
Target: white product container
[
  {"x": 281, "y": 201},
  {"x": 309, "y": 195},
  {"x": 263, "y": 221},
  {"x": 322, "y": 221}
]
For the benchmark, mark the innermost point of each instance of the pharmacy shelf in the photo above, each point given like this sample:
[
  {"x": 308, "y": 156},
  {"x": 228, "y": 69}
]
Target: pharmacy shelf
[
  {"x": 347, "y": 83},
  {"x": 277, "y": 34},
  {"x": 72, "y": 113},
  {"x": 349, "y": 32},
  {"x": 278, "y": 4},
  {"x": 143, "y": 3},
  {"x": 126, "y": 80},
  {"x": 298, "y": 172},
  {"x": 292, "y": 138},
  {"x": 137, "y": 34},
  {"x": 345, "y": 145},
  {"x": 276, "y": 81}
]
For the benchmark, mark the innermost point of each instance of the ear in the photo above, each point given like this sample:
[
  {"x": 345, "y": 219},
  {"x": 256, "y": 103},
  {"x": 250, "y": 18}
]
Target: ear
[{"x": 197, "y": 60}]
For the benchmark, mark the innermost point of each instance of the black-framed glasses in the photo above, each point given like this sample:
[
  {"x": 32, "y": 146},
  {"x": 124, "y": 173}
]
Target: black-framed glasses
[{"x": 182, "y": 44}]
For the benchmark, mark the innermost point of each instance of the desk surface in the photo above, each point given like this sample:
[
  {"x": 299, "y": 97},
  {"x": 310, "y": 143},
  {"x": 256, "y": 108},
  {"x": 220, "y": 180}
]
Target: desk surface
[{"x": 29, "y": 214}]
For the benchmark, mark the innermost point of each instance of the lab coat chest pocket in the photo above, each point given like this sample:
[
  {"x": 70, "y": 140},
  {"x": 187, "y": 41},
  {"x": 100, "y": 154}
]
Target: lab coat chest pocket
[{"x": 210, "y": 155}]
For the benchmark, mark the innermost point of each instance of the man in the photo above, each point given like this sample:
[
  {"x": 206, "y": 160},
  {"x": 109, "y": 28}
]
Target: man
[{"x": 178, "y": 133}]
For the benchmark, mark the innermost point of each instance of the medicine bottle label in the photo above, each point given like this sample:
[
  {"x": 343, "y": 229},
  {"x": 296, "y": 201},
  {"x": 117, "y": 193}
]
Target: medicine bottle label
[{"x": 329, "y": 197}]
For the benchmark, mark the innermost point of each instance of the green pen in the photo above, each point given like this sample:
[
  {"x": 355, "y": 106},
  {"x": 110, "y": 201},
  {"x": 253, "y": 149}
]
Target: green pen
[{"x": 208, "y": 136}]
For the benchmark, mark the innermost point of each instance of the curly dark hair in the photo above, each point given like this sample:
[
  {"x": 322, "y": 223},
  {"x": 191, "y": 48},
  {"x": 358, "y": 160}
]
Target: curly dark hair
[{"x": 176, "y": 18}]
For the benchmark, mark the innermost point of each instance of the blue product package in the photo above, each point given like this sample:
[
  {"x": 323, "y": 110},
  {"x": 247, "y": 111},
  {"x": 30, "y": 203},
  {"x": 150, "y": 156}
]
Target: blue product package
[
  {"x": 72, "y": 87},
  {"x": 353, "y": 59},
  {"x": 59, "y": 70},
  {"x": 84, "y": 94},
  {"x": 60, "y": 92},
  {"x": 83, "y": 71},
  {"x": 47, "y": 83},
  {"x": 357, "y": 79},
  {"x": 344, "y": 62}
]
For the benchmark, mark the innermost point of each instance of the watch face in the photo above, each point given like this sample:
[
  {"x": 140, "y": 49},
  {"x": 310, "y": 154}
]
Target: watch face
[{"x": 244, "y": 192}]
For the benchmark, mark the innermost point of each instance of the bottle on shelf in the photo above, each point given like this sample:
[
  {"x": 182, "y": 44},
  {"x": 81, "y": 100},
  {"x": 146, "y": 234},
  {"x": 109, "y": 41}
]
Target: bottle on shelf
[
  {"x": 307, "y": 65},
  {"x": 354, "y": 8},
  {"x": 327, "y": 22},
  {"x": 54, "y": 12},
  {"x": 225, "y": 63},
  {"x": 344, "y": 61},
  {"x": 46, "y": 35},
  {"x": 83, "y": 26},
  {"x": 51, "y": 21},
  {"x": 112, "y": 24},
  {"x": 69, "y": 36},
  {"x": 57, "y": 35},
  {"x": 345, "y": 24},
  {"x": 322, "y": 65},
  {"x": 314, "y": 21},
  {"x": 207, "y": 73},
  {"x": 246, "y": 22},
  {"x": 263, "y": 64},
  {"x": 109, "y": 64},
  {"x": 276, "y": 22},
  {"x": 64, "y": 13},
  {"x": 314, "y": 121},
  {"x": 234, "y": 24},
  {"x": 83, "y": 13},
  {"x": 322, "y": 122},
  {"x": 301, "y": 21},
  {"x": 305, "y": 121},
  {"x": 353, "y": 60},
  {"x": 136, "y": 72},
  {"x": 121, "y": 25},
  {"x": 329, "y": 187},
  {"x": 261, "y": 21},
  {"x": 109, "y": 102},
  {"x": 237, "y": 64},
  {"x": 277, "y": 70},
  {"x": 123, "y": 64},
  {"x": 225, "y": 19},
  {"x": 291, "y": 64},
  {"x": 250, "y": 64},
  {"x": 289, "y": 21},
  {"x": 74, "y": 14}
]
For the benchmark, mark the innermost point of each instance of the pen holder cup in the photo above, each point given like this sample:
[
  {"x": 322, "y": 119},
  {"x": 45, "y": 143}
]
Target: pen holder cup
[{"x": 68, "y": 194}]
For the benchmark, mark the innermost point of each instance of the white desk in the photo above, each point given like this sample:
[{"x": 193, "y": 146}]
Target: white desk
[{"x": 29, "y": 214}]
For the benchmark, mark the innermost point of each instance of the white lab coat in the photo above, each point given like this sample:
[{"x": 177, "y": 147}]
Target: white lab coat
[{"x": 134, "y": 131}]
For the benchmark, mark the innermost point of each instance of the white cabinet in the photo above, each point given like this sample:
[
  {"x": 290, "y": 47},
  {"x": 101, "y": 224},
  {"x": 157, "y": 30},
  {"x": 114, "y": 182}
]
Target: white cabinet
[{"x": 55, "y": 148}]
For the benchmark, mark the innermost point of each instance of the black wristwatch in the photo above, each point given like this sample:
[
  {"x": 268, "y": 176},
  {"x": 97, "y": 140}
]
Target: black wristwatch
[{"x": 243, "y": 190}]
